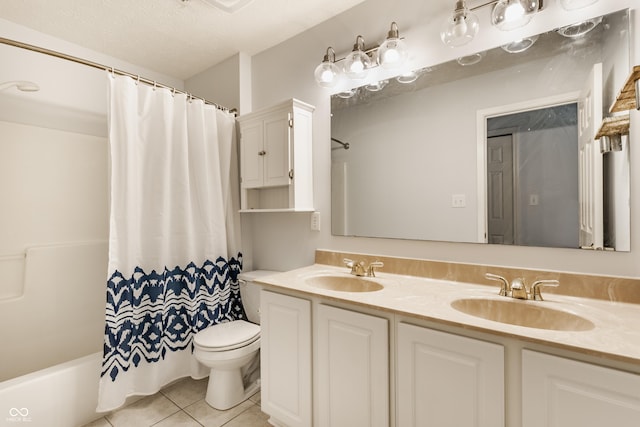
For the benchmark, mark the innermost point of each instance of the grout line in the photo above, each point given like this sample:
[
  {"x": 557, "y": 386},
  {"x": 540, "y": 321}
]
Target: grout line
[
  {"x": 193, "y": 418},
  {"x": 168, "y": 416},
  {"x": 254, "y": 404}
]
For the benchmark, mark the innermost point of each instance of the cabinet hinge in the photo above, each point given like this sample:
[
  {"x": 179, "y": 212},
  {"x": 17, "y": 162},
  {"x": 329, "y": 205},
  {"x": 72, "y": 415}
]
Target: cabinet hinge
[
  {"x": 290, "y": 123},
  {"x": 290, "y": 173}
]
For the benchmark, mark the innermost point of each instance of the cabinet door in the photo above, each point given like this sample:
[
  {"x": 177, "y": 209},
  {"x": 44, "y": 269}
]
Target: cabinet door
[
  {"x": 251, "y": 157},
  {"x": 352, "y": 368},
  {"x": 558, "y": 392},
  {"x": 277, "y": 162},
  {"x": 446, "y": 380},
  {"x": 285, "y": 359}
]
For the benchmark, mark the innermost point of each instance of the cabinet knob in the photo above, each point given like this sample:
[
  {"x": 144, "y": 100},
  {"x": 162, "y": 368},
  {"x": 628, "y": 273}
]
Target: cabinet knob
[
  {"x": 290, "y": 173},
  {"x": 262, "y": 153}
]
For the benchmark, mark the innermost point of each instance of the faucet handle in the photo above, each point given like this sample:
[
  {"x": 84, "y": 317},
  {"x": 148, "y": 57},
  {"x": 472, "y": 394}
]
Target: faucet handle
[
  {"x": 535, "y": 288},
  {"x": 357, "y": 268},
  {"x": 505, "y": 288},
  {"x": 371, "y": 272}
]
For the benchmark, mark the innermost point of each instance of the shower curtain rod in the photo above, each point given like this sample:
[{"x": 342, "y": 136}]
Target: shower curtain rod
[
  {"x": 345, "y": 145},
  {"x": 82, "y": 61}
]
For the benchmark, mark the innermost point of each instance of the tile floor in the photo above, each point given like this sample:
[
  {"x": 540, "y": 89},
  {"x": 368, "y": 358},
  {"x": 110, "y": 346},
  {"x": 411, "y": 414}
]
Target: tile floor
[{"x": 182, "y": 404}]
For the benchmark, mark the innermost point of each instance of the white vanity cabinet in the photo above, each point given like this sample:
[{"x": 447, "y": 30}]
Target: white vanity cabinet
[
  {"x": 352, "y": 366},
  {"x": 285, "y": 359},
  {"x": 448, "y": 380},
  {"x": 559, "y": 392},
  {"x": 275, "y": 158}
]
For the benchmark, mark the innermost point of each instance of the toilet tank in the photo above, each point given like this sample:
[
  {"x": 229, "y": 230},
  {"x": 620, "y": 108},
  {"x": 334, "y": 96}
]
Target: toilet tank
[{"x": 250, "y": 292}]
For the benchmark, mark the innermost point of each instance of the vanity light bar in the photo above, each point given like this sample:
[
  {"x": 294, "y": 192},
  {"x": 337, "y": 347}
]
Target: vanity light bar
[{"x": 391, "y": 53}]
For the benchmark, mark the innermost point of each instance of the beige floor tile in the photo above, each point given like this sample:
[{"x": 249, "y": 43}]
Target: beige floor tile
[
  {"x": 210, "y": 417},
  {"x": 186, "y": 391},
  {"x": 101, "y": 422},
  {"x": 252, "y": 417},
  {"x": 144, "y": 412},
  {"x": 256, "y": 398},
  {"x": 179, "y": 419}
]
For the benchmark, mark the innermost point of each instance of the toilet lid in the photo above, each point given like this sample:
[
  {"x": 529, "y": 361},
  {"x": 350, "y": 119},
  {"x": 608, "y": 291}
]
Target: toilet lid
[{"x": 228, "y": 335}]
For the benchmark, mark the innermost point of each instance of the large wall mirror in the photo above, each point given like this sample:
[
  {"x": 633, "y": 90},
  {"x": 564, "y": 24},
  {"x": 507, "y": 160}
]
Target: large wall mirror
[{"x": 492, "y": 148}]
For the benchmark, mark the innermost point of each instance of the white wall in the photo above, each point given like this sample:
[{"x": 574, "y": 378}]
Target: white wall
[
  {"x": 283, "y": 241},
  {"x": 228, "y": 83}
]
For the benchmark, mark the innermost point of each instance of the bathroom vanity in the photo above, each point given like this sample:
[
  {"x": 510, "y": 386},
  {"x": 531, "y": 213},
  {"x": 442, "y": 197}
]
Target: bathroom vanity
[{"x": 391, "y": 350}]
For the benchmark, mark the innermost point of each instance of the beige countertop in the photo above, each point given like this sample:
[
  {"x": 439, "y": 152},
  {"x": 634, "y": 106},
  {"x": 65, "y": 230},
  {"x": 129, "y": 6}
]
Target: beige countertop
[{"x": 615, "y": 336}]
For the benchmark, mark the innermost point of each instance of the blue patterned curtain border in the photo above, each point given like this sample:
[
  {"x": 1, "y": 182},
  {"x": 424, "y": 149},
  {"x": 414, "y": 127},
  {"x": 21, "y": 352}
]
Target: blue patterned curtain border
[{"x": 150, "y": 314}]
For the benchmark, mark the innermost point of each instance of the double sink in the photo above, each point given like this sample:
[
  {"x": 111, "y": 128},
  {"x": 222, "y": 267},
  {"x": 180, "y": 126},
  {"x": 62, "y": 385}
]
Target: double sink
[{"x": 530, "y": 314}]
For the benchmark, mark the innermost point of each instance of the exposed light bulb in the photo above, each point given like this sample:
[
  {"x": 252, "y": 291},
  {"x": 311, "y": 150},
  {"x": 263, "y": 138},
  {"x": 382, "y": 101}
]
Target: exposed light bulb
[
  {"x": 327, "y": 73},
  {"x": 511, "y": 14},
  {"x": 460, "y": 27},
  {"x": 391, "y": 56},
  {"x": 392, "y": 52},
  {"x": 327, "y": 76},
  {"x": 357, "y": 66},
  {"x": 357, "y": 63},
  {"x": 514, "y": 12}
]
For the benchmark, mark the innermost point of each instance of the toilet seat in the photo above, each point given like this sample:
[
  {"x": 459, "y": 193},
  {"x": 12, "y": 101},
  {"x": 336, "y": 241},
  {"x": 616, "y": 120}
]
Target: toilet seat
[{"x": 227, "y": 336}]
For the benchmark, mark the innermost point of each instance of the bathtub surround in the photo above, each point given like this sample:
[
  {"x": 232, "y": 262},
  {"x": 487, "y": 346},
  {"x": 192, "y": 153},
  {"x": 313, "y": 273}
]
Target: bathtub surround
[
  {"x": 173, "y": 246},
  {"x": 53, "y": 244}
]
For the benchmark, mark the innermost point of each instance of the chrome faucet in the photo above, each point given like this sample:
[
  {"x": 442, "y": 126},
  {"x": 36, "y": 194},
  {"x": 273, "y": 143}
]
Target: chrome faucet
[{"x": 359, "y": 269}]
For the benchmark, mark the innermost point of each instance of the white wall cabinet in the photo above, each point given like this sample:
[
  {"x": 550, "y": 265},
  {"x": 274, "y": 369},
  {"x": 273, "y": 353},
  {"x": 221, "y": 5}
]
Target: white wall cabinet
[
  {"x": 559, "y": 392},
  {"x": 276, "y": 158},
  {"x": 285, "y": 359},
  {"x": 352, "y": 368},
  {"x": 448, "y": 380}
]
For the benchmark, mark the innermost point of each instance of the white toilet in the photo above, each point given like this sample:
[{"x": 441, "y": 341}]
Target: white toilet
[{"x": 231, "y": 350}]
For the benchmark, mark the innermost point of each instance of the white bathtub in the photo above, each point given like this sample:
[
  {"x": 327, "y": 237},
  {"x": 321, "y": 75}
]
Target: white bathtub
[
  {"x": 52, "y": 328},
  {"x": 64, "y": 395}
]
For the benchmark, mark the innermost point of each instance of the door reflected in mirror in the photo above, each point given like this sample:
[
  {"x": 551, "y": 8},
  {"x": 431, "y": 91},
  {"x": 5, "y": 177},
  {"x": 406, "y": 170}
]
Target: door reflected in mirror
[
  {"x": 416, "y": 166},
  {"x": 532, "y": 178}
]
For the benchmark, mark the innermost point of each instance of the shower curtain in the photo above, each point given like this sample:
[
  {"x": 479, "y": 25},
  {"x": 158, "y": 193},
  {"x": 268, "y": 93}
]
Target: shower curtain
[{"x": 174, "y": 236}]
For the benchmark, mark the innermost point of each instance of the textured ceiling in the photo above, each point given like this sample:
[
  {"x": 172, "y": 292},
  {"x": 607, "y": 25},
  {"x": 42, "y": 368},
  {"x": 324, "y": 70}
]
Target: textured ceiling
[{"x": 179, "y": 38}]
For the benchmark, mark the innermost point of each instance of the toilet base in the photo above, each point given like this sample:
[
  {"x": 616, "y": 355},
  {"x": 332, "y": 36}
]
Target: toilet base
[{"x": 233, "y": 393}]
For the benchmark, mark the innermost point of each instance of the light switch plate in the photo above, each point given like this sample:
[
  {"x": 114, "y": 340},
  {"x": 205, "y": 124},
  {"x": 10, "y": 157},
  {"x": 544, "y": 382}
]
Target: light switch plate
[
  {"x": 458, "y": 201},
  {"x": 315, "y": 221}
]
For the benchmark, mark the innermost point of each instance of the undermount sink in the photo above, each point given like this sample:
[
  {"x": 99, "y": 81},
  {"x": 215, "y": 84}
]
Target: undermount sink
[
  {"x": 522, "y": 313},
  {"x": 345, "y": 283}
]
